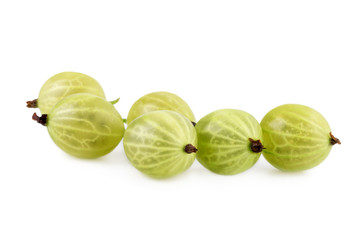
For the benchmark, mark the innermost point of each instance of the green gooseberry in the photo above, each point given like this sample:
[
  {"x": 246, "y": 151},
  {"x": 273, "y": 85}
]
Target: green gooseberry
[
  {"x": 84, "y": 125},
  {"x": 296, "y": 137},
  {"x": 62, "y": 85},
  {"x": 229, "y": 141},
  {"x": 161, "y": 144},
  {"x": 160, "y": 101}
]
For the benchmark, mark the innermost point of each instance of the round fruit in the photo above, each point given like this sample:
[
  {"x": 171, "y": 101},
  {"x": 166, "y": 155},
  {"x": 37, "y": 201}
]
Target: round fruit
[
  {"x": 160, "y": 101},
  {"x": 229, "y": 141},
  {"x": 161, "y": 144},
  {"x": 62, "y": 85},
  {"x": 84, "y": 125},
  {"x": 296, "y": 137}
]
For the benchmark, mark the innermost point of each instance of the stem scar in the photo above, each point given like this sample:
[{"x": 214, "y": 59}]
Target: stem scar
[
  {"x": 256, "y": 145},
  {"x": 189, "y": 148}
]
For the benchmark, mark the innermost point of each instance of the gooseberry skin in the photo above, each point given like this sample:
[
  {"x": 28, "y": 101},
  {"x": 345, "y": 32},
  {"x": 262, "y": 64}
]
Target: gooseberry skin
[
  {"x": 160, "y": 101},
  {"x": 224, "y": 141},
  {"x": 155, "y": 143},
  {"x": 64, "y": 84},
  {"x": 85, "y": 126},
  {"x": 296, "y": 137}
]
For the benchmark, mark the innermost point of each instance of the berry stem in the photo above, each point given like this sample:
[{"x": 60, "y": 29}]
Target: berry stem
[
  {"x": 115, "y": 101},
  {"x": 32, "y": 104},
  {"x": 334, "y": 140},
  {"x": 256, "y": 145},
  {"x": 41, "y": 120},
  {"x": 193, "y": 123},
  {"x": 189, "y": 148}
]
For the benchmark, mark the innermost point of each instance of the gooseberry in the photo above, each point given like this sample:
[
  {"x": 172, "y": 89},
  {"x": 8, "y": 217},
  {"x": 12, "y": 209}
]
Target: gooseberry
[
  {"x": 161, "y": 143},
  {"x": 84, "y": 125},
  {"x": 62, "y": 85},
  {"x": 160, "y": 101},
  {"x": 296, "y": 137},
  {"x": 229, "y": 141}
]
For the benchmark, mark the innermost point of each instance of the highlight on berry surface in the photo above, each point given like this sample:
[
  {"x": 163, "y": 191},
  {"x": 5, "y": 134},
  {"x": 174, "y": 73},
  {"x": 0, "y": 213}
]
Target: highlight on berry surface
[
  {"x": 160, "y": 101},
  {"x": 62, "y": 85},
  {"x": 84, "y": 125},
  {"x": 229, "y": 141},
  {"x": 161, "y": 144},
  {"x": 296, "y": 137}
]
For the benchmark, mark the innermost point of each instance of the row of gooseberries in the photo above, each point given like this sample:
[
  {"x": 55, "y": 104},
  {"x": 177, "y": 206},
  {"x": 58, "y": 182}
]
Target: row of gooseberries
[{"x": 162, "y": 138}]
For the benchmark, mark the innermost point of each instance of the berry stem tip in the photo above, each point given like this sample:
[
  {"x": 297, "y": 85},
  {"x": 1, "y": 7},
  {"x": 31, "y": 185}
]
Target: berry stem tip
[
  {"x": 31, "y": 104},
  {"x": 41, "y": 120},
  {"x": 334, "y": 140}
]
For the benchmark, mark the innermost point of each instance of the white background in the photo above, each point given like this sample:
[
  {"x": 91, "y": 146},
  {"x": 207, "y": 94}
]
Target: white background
[{"x": 248, "y": 55}]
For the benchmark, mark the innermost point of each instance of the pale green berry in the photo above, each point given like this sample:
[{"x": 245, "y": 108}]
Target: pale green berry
[
  {"x": 296, "y": 137},
  {"x": 84, "y": 125},
  {"x": 62, "y": 85},
  {"x": 160, "y": 101},
  {"x": 229, "y": 141},
  {"x": 161, "y": 144}
]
